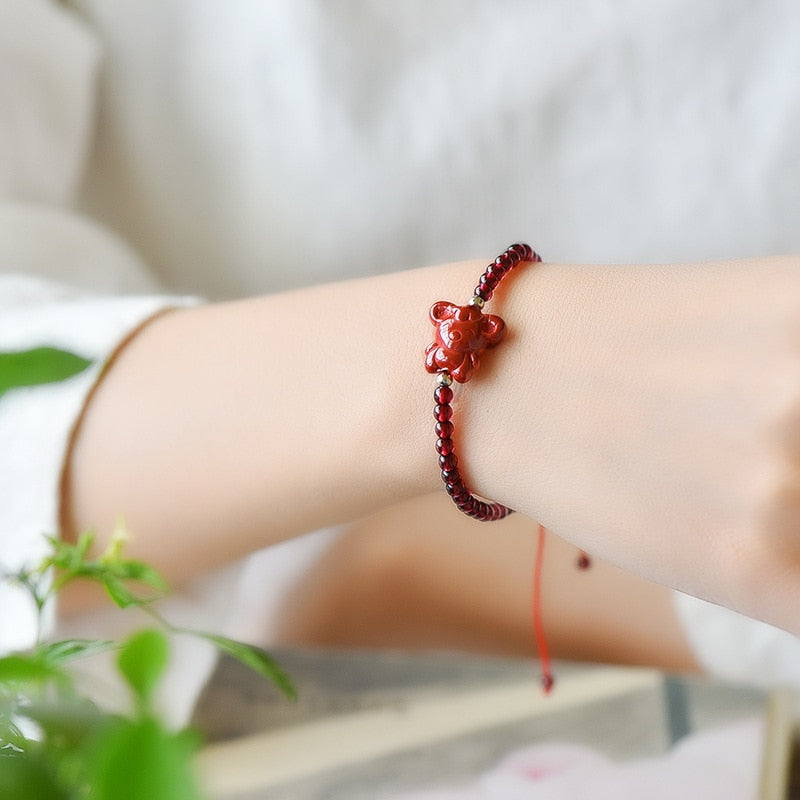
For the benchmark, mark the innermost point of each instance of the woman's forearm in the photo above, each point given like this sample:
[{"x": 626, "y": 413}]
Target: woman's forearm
[{"x": 224, "y": 428}]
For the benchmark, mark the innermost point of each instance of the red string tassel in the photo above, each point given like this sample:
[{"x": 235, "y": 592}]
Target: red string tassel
[{"x": 538, "y": 625}]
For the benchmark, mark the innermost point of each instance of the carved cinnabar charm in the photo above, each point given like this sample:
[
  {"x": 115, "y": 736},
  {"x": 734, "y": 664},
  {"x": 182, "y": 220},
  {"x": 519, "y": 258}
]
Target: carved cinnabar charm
[{"x": 462, "y": 334}]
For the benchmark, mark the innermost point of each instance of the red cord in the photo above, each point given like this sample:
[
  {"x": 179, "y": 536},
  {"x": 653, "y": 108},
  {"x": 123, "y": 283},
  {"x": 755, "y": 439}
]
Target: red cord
[{"x": 538, "y": 626}]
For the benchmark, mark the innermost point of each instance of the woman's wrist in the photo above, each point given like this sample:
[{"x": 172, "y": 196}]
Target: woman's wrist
[{"x": 648, "y": 414}]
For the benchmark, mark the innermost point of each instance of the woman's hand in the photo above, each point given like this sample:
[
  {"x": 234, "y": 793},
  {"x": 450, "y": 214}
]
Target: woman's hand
[{"x": 651, "y": 415}]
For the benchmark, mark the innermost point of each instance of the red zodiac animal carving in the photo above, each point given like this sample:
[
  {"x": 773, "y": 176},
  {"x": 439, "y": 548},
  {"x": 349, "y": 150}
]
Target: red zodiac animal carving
[{"x": 462, "y": 334}]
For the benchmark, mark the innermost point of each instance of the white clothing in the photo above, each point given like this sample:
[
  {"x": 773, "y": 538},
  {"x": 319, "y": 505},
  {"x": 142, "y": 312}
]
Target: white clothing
[
  {"x": 717, "y": 764},
  {"x": 244, "y": 147},
  {"x": 247, "y": 146}
]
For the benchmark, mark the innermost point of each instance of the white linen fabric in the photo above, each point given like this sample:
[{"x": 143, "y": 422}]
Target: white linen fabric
[
  {"x": 715, "y": 764},
  {"x": 240, "y": 147},
  {"x": 247, "y": 146},
  {"x": 47, "y": 64}
]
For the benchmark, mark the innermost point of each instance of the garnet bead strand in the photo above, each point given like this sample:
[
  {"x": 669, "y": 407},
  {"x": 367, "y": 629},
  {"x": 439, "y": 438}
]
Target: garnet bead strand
[{"x": 448, "y": 463}]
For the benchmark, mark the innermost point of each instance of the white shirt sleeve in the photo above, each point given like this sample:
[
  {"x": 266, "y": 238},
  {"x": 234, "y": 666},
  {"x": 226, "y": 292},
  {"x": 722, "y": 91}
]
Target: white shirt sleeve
[
  {"x": 737, "y": 649},
  {"x": 35, "y": 427},
  {"x": 35, "y": 422}
]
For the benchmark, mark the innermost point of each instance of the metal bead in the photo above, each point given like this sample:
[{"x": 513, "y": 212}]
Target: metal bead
[
  {"x": 444, "y": 379},
  {"x": 477, "y": 300}
]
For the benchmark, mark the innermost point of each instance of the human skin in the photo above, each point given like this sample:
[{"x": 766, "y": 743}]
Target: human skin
[
  {"x": 420, "y": 575},
  {"x": 646, "y": 413}
]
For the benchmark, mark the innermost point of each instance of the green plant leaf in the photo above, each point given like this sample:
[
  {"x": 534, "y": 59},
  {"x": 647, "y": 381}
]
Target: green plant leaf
[
  {"x": 68, "y": 556},
  {"x": 142, "y": 661},
  {"x": 140, "y": 759},
  {"x": 66, "y": 725},
  {"x": 118, "y": 575},
  {"x": 254, "y": 657},
  {"x": 119, "y": 592},
  {"x": 38, "y": 366},
  {"x": 12, "y": 739},
  {"x": 139, "y": 572},
  {"x": 25, "y": 778},
  {"x": 19, "y": 668},
  {"x": 57, "y": 653}
]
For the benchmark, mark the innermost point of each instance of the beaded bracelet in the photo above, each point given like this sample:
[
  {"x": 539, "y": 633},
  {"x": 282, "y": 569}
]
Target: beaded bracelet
[{"x": 462, "y": 334}]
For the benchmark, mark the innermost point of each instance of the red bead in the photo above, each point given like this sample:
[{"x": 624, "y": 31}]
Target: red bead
[
  {"x": 490, "y": 279},
  {"x": 444, "y": 430},
  {"x": 503, "y": 262},
  {"x": 456, "y": 488},
  {"x": 443, "y": 394},
  {"x": 448, "y": 462},
  {"x": 443, "y": 412},
  {"x": 547, "y": 681},
  {"x": 444, "y": 446},
  {"x": 454, "y": 482},
  {"x": 583, "y": 562},
  {"x": 451, "y": 476}
]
